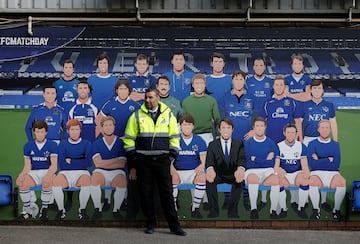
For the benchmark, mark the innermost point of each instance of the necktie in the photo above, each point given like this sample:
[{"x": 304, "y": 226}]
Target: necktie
[
  {"x": 152, "y": 114},
  {"x": 226, "y": 151}
]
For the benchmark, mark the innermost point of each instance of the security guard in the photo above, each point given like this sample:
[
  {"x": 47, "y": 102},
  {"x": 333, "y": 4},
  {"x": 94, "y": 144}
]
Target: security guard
[{"x": 152, "y": 141}]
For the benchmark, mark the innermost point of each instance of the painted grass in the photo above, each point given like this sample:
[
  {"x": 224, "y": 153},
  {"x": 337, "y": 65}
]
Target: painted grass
[{"x": 13, "y": 138}]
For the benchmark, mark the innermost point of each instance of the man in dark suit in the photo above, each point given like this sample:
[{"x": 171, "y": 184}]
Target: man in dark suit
[{"x": 225, "y": 163}]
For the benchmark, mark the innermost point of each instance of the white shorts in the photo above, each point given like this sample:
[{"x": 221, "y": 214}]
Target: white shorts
[
  {"x": 291, "y": 177},
  {"x": 261, "y": 173},
  {"x": 38, "y": 175},
  {"x": 186, "y": 176},
  {"x": 109, "y": 175},
  {"x": 325, "y": 176},
  {"x": 207, "y": 137},
  {"x": 72, "y": 176},
  {"x": 308, "y": 139}
]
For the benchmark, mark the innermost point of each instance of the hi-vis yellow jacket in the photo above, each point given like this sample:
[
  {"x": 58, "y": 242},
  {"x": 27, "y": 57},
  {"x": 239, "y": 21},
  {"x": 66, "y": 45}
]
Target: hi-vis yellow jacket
[{"x": 148, "y": 138}]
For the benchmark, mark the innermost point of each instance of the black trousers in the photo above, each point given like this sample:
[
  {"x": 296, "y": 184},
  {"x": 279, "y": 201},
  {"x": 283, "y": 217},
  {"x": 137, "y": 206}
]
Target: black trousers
[
  {"x": 132, "y": 208},
  {"x": 154, "y": 171},
  {"x": 211, "y": 191}
]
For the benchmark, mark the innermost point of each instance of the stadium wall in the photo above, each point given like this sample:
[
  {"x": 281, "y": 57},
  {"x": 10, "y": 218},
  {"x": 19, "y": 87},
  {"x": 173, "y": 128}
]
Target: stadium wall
[{"x": 239, "y": 47}]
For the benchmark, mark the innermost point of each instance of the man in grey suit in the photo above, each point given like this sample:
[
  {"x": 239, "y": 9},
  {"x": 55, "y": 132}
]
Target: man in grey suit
[{"x": 225, "y": 163}]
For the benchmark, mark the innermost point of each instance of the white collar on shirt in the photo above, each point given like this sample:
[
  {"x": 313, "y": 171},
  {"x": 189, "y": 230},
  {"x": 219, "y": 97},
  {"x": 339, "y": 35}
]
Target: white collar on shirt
[
  {"x": 144, "y": 75},
  {"x": 123, "y": 102}
]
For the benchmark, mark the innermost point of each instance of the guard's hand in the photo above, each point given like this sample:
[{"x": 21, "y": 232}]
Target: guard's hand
[{"x": 132, "y": 174}]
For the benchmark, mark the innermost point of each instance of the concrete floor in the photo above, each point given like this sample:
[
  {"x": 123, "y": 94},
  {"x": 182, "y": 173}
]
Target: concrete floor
[{"x": 78, "y": 235}]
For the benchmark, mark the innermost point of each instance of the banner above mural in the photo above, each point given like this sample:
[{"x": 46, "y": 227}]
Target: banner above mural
[
  {"x": 41, "y": 55},
  {"x": 16, "y": 43}
]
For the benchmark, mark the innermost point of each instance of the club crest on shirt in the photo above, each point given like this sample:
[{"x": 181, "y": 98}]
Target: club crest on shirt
[
  {"x": 47, "y": 154},
  {"x": 287, "y": 102},
  {"x": 195, "y": 147},
  {"x": 90, "y": 112},
  {"x": 187, "y": 81},
  {"x": 248, "y": 104},
  {"x": 267, "y": 85},
  {"x": 55, "y": 111},
  {"x": 325, "y": 109},
  {"x": 147, "y": 82}
]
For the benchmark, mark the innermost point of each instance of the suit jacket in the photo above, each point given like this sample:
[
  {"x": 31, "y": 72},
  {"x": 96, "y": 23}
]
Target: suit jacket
[{"x": 215, "y": 157}]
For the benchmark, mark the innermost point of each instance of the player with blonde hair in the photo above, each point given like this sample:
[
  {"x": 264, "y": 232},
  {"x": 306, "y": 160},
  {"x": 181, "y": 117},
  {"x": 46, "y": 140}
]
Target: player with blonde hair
[{"x": 109, "y": 159}]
